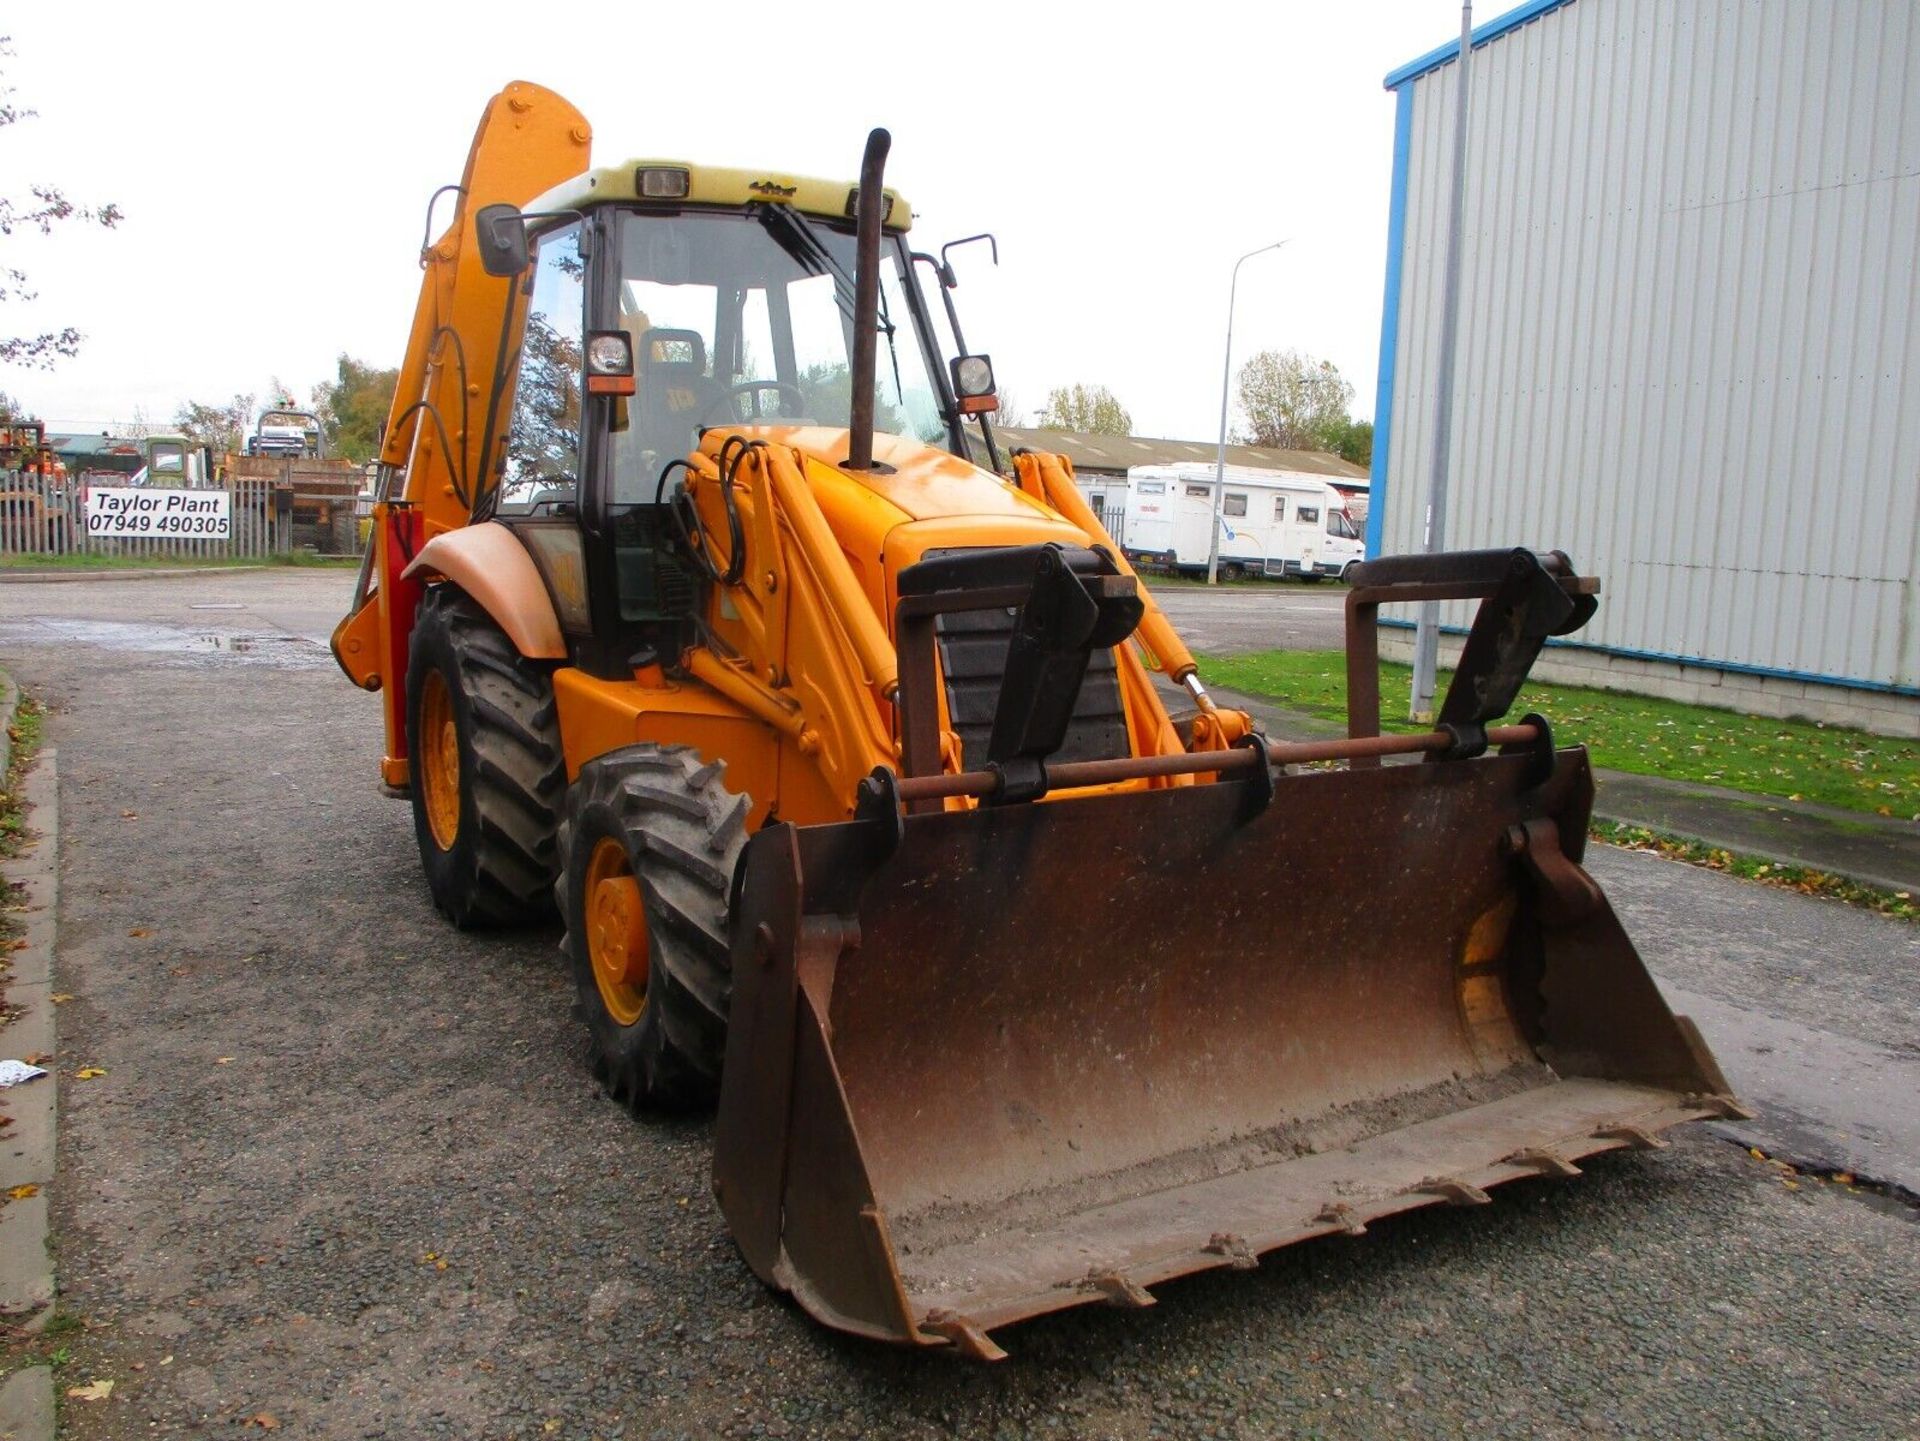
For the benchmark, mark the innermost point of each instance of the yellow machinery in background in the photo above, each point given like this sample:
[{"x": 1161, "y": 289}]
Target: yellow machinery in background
[{"x": 841, "y": 759}]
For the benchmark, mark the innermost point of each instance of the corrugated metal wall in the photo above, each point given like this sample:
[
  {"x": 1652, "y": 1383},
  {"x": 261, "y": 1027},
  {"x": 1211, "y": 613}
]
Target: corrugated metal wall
[{"x": 1690, "y": 323}]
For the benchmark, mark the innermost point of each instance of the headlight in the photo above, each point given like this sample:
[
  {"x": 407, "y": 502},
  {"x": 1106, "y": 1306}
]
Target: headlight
[
  {"x": 609, "y": 362},
  {"x": 610, "y": 353},
  {"x": 973, "y": 384}
]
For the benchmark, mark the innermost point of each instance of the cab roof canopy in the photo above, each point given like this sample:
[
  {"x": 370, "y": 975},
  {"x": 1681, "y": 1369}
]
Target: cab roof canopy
[{"x": 716, "y": 185}]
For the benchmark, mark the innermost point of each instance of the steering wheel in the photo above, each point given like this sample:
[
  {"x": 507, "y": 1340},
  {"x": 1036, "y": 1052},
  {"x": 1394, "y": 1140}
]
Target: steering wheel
[{"x": 752, "y": 387}]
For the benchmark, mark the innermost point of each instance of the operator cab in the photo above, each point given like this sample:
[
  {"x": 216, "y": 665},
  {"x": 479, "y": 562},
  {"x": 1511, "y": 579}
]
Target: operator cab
[{"x": 730, "y": 314}]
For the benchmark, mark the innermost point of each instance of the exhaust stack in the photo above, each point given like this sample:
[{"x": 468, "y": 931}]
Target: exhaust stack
[{"x": 870, "y": 208}]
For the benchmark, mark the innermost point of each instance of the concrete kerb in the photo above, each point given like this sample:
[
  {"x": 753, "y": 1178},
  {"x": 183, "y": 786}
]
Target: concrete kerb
[
  {"x": 70, "y": 577},
  {"x": 27, "y": 1153}
]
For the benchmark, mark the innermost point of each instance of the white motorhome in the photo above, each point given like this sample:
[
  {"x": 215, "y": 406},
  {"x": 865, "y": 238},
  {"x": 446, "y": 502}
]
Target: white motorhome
[{"x": 1272, "y": 522}]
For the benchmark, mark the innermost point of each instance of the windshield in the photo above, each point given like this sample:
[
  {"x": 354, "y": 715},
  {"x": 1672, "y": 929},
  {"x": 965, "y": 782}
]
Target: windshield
[{"x": 748, "y": 318}]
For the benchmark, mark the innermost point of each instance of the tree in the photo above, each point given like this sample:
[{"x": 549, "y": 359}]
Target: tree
[
  {"x": 224, "y": 427},
  {"x": 1293, "y": 401},
  {"x": 139, "y": 428},
  {"x": 11, "y": 409},
  {"x": 1356, "y": 442},
  {"x": 353, "y": 406},
  {"x": 1093, "y": 409},
  {"x": 47, "y": 207}
]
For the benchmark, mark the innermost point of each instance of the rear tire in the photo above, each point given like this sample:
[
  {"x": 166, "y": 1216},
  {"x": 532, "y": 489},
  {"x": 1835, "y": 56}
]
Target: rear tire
[
  {"x": 483, "y": 740},
  {"x": 649, "y": 842}
]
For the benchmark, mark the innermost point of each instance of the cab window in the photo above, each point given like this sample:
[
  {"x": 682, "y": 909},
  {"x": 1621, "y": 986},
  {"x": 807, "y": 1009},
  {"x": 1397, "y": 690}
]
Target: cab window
[{"x": 541, "y": 464}]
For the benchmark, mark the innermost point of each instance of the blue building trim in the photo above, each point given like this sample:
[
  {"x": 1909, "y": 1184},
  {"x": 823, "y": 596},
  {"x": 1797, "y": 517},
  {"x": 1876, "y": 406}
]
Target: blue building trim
[
  {"x": 1492, "y": 30},
  {"x": 1733, "y": 667},
  {"x": 1389, "y": 323}
]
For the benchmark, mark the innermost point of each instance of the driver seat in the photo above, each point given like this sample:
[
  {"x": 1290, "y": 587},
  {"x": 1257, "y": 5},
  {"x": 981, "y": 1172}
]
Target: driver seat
[{"x": 674, "y": 389}]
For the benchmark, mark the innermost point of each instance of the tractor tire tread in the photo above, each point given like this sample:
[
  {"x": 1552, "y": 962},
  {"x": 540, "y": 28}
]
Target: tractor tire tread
[
  {"x": 519, "y": 768},
  {"x": 684, "y": 832}
]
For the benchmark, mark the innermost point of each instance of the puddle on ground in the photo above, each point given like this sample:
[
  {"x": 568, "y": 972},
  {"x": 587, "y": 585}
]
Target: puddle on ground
[{"x": 276, "y": 649}]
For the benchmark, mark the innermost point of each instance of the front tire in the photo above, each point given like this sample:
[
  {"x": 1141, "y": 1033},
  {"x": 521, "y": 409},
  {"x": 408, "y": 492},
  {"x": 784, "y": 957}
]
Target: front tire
[
  {"x": 483, "y": 739},
  {"x": 649, "y": 842}
]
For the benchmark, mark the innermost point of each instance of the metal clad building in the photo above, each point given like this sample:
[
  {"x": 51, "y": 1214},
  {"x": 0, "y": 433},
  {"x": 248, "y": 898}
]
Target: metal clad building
[{"x": 1689, "y": 336}]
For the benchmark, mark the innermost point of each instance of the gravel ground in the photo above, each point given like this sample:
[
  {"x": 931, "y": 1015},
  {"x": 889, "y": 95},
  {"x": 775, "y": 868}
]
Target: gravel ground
[{"x": 345, "y": 1173}]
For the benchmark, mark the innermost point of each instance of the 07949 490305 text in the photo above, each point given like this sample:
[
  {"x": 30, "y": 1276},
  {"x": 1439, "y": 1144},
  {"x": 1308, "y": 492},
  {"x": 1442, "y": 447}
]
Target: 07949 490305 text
[{"x": 126, "y": 512}]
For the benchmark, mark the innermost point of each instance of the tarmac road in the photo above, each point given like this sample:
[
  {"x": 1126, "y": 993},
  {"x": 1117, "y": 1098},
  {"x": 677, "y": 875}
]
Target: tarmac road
[
  {"x": 345, "y": 1168},
  {"x": 1265, "y": 615}
]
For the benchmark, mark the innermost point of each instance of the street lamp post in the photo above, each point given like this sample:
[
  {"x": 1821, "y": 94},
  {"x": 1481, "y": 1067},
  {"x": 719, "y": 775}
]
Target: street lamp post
[{"x": 1226, "y": 381}]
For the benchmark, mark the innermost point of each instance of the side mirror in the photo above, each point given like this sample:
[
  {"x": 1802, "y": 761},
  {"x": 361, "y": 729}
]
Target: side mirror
[{"x": 502, "y": 233}]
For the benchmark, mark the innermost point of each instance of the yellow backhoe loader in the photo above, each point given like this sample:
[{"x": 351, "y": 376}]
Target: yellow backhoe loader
[{"x": 841, "y": 759}]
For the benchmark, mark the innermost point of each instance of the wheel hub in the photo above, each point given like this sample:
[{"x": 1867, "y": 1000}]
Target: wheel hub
[
  {"x": 617, "y": 932},
  {"x": 439, "y": 761}
]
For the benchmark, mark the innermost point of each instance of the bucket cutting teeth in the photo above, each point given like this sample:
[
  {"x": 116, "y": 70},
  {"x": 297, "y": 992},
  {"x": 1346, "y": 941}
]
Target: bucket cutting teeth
[
  {"x": 1453, "y": 1190},
  {"x": 1339, "y": 1213},
  {"x": 1239, "y": 1255},
  {"x": 1546, "y": 1162},
  {"x": 1118, "y": 1288},
  {"x": 1639, "y": 1138}
]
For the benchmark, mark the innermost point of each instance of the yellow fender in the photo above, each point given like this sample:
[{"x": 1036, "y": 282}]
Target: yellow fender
[{"x": 489, "y": 563}]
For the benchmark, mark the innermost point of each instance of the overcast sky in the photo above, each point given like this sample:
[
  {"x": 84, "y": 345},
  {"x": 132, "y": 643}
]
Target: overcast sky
[{"x": 274, "y": 165}]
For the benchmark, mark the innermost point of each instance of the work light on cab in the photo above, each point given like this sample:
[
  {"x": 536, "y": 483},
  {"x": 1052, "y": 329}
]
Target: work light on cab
[
  {"x": 973, "y": 384},
  {"x": 609, "y": 363},
  {"x": 661, "y": 182}
]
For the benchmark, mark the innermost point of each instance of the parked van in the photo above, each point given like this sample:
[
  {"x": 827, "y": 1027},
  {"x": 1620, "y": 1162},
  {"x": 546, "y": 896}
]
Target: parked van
[{"x": 1272, "y": 522}]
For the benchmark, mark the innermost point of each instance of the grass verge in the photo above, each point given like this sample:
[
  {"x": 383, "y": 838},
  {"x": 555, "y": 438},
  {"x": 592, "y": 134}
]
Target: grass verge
[
  {"x": 91, "y": 561},
  {"x": 26, "y": 734},
  {"x": 1898, "y": 904},
  {"x": 1796, "y": 759}
]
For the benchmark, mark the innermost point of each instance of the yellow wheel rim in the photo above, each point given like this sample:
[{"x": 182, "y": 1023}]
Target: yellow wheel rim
[
  {"x": 616, "y": 931},
  {"x": 439, "y": 761}
]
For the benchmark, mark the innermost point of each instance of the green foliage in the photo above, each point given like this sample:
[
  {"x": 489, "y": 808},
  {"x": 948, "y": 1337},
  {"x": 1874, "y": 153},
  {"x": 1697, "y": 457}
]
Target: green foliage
[
  {"x": 1797, "y": 759},
  {"x": 353, "y": 406},
  {"x": 1295, "y": 402},
  {"x": 45, "y": 207},
  {"x": 1092, "y": 409},
  {"x": 224, "y": 427},
  {"x": 1356, "y": 443},
  {"x": 11, "y": 409}
]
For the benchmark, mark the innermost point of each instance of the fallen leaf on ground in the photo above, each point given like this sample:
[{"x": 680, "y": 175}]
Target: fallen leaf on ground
[
  {"x": 87, "y": 1073},
  {"x": 265, "y": 1420},
  {"x": 20, "y": 1193},
  {"x": 92, "y": 1391},
  {"x": 37, "y": 1058},
  {"x": 60, "y": 998},
  {"x": 140, "y": 931},
  {"x": 19, "y": 945},
  {"x": 223, "y": 1060}
]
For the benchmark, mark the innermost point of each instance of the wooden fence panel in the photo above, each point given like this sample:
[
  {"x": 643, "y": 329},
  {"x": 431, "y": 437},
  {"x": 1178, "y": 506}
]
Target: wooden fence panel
[{"x": 46, "y": 515}]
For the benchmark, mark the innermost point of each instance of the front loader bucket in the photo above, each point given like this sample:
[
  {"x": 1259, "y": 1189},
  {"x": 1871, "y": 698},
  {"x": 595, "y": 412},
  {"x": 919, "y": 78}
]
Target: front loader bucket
[{"x": 1014, "y": 1059}]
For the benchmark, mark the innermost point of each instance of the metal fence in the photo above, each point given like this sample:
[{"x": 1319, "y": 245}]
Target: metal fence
[{"x": 46, "y": 515}]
